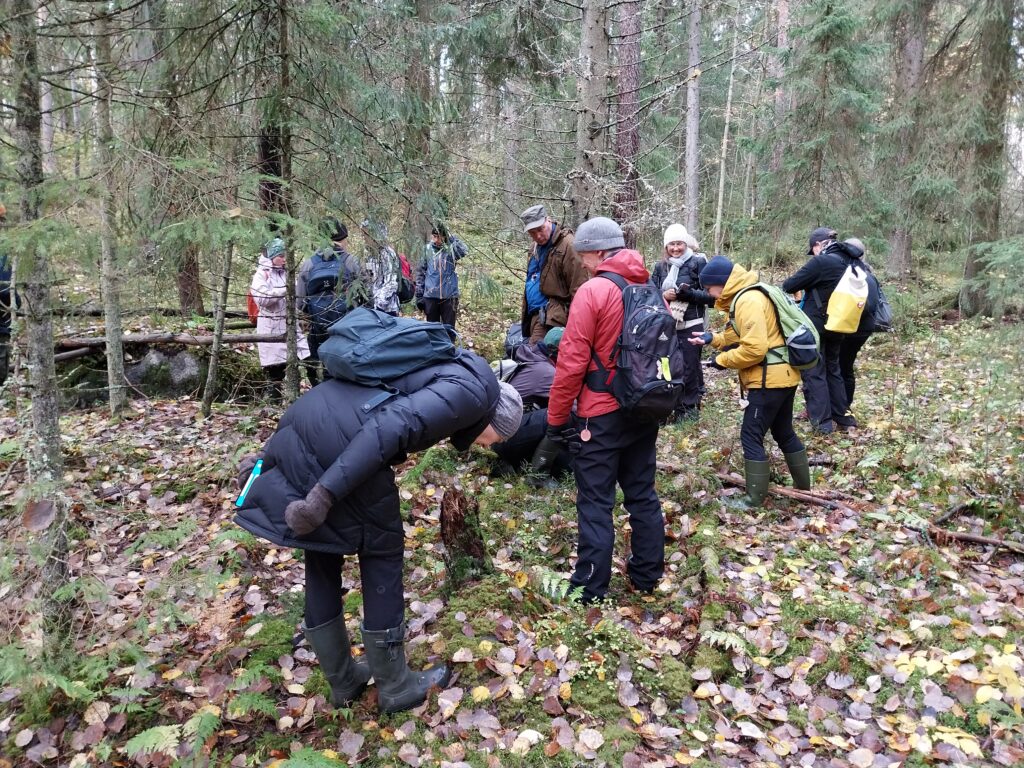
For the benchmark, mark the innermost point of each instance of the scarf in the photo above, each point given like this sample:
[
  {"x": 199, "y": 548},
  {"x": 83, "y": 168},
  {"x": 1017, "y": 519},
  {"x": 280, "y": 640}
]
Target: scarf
[{"x": 676, "y": 264}]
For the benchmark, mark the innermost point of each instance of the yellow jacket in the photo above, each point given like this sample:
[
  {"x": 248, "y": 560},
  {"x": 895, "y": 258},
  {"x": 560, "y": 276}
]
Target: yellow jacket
[{"x": 754, "y": 330}]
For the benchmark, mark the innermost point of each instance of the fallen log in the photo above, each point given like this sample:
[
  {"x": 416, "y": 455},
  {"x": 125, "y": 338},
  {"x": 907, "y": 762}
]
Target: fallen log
[
  {"x": 74, "y": 353},
  {"x": 808, "y": 497},
  {"x": 170, "y": 338},
  {"x": 972, "y": 538}
]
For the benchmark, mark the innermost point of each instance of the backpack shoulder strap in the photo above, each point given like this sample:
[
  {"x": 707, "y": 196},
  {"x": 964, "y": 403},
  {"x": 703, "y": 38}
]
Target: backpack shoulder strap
[{"x": 618, "y": 279}]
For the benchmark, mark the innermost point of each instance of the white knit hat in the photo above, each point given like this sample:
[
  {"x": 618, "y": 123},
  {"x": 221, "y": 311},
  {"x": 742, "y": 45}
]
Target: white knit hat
[{"x": 677, "y": 233}]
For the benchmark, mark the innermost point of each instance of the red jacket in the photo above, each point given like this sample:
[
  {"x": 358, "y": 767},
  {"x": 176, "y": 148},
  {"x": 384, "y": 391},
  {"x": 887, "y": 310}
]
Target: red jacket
[{"x": 595, "y": 322}]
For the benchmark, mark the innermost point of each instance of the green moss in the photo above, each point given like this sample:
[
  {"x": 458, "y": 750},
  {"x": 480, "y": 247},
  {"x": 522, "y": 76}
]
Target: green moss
[
  {"x": 272, "y": 641},
  {"x": 675, "y": 681},
  {"x": 709, "y": 657}
]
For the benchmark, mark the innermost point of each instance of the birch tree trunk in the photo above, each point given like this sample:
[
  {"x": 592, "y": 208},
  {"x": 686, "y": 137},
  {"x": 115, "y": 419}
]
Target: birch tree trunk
[
  {"x": 693, "y": 121},
  {"x": 48, "y": 510},
  {"x": 723, "y": 156},
  {"x": 910, "y": 32},
  {"x": 996, "y": 79},
  {"x": 776, "y": 71},
  {"x": 627, "y": 199},
  {"x": 592, "y": 77},
  {"x": 116, "y": 383},
  {"x": 510, "y": 172}
]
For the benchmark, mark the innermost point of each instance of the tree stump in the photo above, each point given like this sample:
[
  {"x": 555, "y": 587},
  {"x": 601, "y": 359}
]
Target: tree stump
[{"x": 465, "y": 555}]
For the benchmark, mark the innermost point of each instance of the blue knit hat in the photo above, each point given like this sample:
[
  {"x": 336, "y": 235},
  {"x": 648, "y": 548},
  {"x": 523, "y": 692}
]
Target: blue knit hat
[{"x": 716, "y": 272}]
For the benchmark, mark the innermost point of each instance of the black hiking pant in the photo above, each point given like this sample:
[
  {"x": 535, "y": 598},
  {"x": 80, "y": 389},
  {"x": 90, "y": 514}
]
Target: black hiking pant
[
  {"x": 768, "y": 410},
  {"x": 824, "y": 389},
  {"x": 380, "y": 580},
  {"x": 847, "y": 356},
  {"x": 276, "y": 374},
  {"x": 622, "y": 451},
  {"x": 441, "y": 310},
  {"x": 693, "y": 374}
]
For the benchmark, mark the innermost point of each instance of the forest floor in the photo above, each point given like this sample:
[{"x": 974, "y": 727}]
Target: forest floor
[{"x": 790, "y": 635}]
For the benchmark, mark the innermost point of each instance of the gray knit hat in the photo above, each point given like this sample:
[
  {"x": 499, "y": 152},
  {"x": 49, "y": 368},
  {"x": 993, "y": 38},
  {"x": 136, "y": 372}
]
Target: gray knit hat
[
  {"x": 599, "y": 234},
  {"x": 509, "y": 412}
]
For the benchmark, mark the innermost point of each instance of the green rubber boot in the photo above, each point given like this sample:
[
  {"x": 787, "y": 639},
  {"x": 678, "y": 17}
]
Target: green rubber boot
[
  {"x": 799, "y": 469},
  {"x": 398, "y": 687},
  {"x": 348, "y": 677},
  {"x": 757, "y": 481}
]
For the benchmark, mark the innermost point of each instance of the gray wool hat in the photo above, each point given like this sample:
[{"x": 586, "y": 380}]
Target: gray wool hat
[
  {"x": 509, "y": 412},
  {"x": 599, "y": 234},
  {"x": 533, "y": 217}
]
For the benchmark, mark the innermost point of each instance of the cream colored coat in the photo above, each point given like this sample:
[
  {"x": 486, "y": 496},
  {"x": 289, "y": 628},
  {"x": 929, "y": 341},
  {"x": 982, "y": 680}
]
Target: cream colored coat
[{"x": 268, "y": 290}]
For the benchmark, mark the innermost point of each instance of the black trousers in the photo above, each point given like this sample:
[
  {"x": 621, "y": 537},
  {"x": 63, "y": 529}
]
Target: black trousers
[
  {"x": 624, "y": 452},
  {"x": 381, "y": 582},
  {"x": 693, "y": 374},
  {"x": 847, "y": 356},
  {"x": 824, "y": 389},
  {"x": 276, "y": 373},
  {"x": 441, "y": 310},
  {"x": 519, "y": 448},
  {"x": 768, "y": 409}
]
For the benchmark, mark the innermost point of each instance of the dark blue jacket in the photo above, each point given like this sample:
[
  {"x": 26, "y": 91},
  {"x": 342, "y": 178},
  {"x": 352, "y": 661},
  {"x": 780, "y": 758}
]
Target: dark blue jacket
[
  {"x": 5, "y": 296},
  {"x": 326, "y": 436}
]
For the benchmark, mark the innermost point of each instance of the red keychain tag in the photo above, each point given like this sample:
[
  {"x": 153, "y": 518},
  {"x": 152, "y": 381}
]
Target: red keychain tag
[{"x": 585, "y": 435}]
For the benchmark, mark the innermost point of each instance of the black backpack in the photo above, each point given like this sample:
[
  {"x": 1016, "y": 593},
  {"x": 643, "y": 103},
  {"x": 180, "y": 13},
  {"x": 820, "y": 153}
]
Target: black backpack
[
  {"x": 648, "y": 380},
  {"x": 325, "y": 304}
]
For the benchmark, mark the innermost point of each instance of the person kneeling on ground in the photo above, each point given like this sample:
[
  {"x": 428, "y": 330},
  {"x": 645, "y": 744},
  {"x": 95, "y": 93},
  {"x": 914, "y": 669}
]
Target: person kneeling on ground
[
  {"x": 768, "y": 386},
  {"x": 358, "y": 433}
]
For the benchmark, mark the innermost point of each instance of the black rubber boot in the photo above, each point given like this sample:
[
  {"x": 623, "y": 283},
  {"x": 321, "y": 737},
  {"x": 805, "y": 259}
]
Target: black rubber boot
[
  {"x": 398, "y": 687},
  {"x": 757, "y": 481},
  {"x": 348, "y": 677},
  {"x": 799, "y": 469}
]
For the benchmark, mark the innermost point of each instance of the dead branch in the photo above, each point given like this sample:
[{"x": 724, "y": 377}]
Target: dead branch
[
  {"x": 82, "y": 352},
  {"x": 959, "y": 509},
  {"x": 809, "y": 497},
  {"x": 171, "y": 338},
  {"x": 973, "y": 538}
]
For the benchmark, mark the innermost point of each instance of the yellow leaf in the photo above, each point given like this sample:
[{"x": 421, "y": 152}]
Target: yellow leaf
[
  {"x": 565, "y": 691},
  {"x": 933, "y": 667},
  {"x": 636, "y": 716},
  {"x": 330, "y": 754},
  {"x": 486, "y": 646},
  {"x": 171, "y": 674},
  {"x": 984, "y": 718},
  {"x": 481, "y": 693},
  {"x": 702, "y": 692},
  {"x": 699, "y": 735},
  {"x": 986, "y": 693},
  {"x": 520, "y": 579}
]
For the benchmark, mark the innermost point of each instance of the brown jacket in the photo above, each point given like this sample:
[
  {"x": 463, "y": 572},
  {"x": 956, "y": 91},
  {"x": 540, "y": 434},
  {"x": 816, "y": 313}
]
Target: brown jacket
[{"x": 561, "y": 277}]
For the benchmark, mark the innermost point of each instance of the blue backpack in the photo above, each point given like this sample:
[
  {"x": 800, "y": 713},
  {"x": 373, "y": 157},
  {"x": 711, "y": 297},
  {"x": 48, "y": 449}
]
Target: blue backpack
[
  {"x": 648, "y": 378},
  {"x": 325, "y": 302},
  {"x": 372, "y": 348}
]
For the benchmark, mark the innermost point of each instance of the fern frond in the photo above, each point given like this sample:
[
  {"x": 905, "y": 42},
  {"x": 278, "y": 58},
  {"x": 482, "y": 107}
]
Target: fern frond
[{"x": 162, "y": 738}]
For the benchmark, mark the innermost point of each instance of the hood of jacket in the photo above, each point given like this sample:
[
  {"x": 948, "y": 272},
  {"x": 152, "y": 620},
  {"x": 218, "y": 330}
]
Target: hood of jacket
[
  {"x": 628, "y": 263},
  {"x": 739, "y": 279},
  {"x": 267, "y": 263}
]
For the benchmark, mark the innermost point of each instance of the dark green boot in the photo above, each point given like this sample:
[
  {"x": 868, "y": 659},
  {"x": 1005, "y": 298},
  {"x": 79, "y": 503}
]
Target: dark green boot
[
  {"x": 799, "y": 469},
  {"x": 398, "y": 687},
  {"x": 348, "y": 677},
  {"x": 757, "y": 481}
]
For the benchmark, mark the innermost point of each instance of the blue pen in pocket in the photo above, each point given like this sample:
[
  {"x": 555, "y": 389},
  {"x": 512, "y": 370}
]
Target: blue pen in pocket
[{"x": 248, "y": 483}]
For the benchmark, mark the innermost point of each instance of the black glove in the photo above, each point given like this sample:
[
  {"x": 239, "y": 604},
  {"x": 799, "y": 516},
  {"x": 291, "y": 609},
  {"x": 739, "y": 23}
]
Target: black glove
[
  {"x": 245, "y": 468},
  {"x": 306, "y": 515},
  {"x": 684, "y": 292},
  {"x": 714, "y": 363},
  {"x": 421, "y": 304},
  {"x": 566, "y": 436}
]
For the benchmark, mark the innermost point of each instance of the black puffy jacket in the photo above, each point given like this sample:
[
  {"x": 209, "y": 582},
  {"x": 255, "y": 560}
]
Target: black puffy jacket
[
  {"x": 820, "y": 276},
  {"x": 328, "y": 436},
  {"x": 689, "y": 274}
]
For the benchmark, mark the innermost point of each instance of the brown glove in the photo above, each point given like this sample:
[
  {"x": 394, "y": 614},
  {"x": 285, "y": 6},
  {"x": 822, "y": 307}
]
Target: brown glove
[
  {"x": 306, "y": 515},
  {"x": 245, "y": 468}
]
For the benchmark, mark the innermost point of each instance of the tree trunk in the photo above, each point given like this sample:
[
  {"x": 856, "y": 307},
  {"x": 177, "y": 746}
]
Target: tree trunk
[
  {"x": 591, "y": 79},
  {"x": 46, "y": 464},
  {"x": 776, "y": 71},
  {"x": 109, "y": 273},
  {"x": 291, "y": 380},
  {"x": 693, "y": 121},
  {"x": 627, "y": 200},
  {"x": 910, "y": 32},
  {"x": 46, "y": 108},
  {"x": 420, "y": 207},
  {"x": 219, "y": 304},
  {"x": 511, "y": 172},
  {"x": 996, "y": 79},
  {"x": 723, "y": 156}
]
